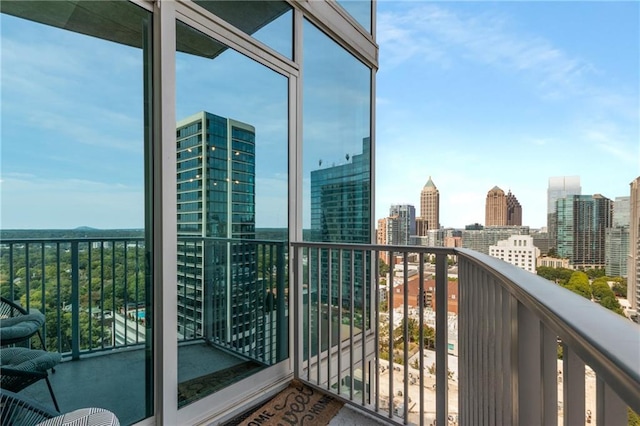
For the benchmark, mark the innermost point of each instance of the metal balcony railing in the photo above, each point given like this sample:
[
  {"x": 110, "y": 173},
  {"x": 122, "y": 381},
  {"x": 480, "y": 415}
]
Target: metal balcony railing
[
  {"x": 232, "y": 293},
  {"x": 93, "y": 292},
  {"x": 509, "y": 326},
  {"x": 506, "y": 334}
]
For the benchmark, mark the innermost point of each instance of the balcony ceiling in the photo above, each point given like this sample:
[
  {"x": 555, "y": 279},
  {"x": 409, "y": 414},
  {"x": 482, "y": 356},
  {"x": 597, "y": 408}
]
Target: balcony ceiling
[{"x": 117, "y": 21}]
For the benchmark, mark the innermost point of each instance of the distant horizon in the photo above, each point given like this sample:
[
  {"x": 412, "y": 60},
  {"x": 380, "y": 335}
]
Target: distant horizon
[{"x": 89, "y": 228}]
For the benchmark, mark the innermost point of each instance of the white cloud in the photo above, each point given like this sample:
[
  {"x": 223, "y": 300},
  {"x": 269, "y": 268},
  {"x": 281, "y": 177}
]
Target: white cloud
[{"x": 434, "y": 33}]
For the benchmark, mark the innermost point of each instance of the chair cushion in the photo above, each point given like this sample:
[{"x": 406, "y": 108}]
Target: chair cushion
[
  {"x": 26, "y": 359},
  {"x": 20, "y": 327},
  {"x": 84, "y": 417}
]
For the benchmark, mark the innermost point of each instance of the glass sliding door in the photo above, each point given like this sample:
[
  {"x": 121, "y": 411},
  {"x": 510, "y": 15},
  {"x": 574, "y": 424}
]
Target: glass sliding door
[
  {"x": 74, "y": 242},
  {"x": 232, "y": 209}
]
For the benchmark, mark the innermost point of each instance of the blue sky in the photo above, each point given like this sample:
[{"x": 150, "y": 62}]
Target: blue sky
[
  {"x": 473, "y": 94},
  {"x": 477, "y": 94}
]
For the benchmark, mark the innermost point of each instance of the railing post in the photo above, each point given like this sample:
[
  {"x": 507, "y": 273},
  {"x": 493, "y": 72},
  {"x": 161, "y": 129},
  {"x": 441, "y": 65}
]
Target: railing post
[
  {"x": 281, "y": 335},
  {"x": 75, "y": 301},
  {"x": 529, "y": 367},
  {"x": 442, "y": 341},
  {"x": 12, "y": 294},
  {"x": 549, "y": 377},
  {"x": 296, "y": 255},
  {"x": 573, "y": 387},
  {"x": 610, "y": 409},
  {"x": 208, "y": 253}
]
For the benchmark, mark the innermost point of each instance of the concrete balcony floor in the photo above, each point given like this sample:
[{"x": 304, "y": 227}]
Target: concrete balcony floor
[{"x": 116, "y": 381}]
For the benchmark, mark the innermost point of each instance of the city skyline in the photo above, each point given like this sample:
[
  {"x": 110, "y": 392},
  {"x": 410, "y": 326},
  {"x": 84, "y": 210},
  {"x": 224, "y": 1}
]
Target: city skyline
[
  {"x": 474, "y": 94},
  {"x": 477, "y": 94}
]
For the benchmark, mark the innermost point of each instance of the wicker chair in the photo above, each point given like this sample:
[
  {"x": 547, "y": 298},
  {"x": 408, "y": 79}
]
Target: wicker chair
[
  {"x": 21, "y": 367},
  {"x": 16, "y": 410},
  {"x": 17, "y": 324}
]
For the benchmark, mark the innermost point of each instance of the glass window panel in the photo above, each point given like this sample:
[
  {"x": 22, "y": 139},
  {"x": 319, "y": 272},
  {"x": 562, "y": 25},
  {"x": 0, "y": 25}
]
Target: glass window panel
[
  {"x": 270, "y": 22},
  {"x": 337, "y": 181},
  {"x": 233, "y": 207},
  {"x": 75, "y": 128},
  {"x": 360, "y": 10},
  {"x": 336, "y": 142}
]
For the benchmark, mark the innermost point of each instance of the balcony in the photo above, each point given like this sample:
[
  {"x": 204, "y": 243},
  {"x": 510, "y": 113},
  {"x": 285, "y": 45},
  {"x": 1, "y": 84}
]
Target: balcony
[{"x": 494, "y": 362}]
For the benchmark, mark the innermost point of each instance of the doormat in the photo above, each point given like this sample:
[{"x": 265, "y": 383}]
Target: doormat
[
  {"x": 194, "y": 389},
  {"x": 296, "y": 405}
]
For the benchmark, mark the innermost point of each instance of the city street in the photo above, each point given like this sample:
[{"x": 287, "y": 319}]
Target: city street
[{"x": 429, "y": 390}]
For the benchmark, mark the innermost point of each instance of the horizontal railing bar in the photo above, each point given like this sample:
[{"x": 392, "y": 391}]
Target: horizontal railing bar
[
  {"x": 14, "y": 241},
  {"x": 376, "y": 247}
]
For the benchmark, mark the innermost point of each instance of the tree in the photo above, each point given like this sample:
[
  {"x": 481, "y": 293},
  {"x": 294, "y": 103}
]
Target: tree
[
  {"x": 595, "y": 273},
  {"x": 383, "y": 268},
  {"x": 429, "y": 337},
  {"x": 579, "y": 283},
  {"x": 619, "y": 287},
  {"x": 600, "y": 289},
  {"x": 634, "y": 419},
  {"x": 557, "y": 275}
]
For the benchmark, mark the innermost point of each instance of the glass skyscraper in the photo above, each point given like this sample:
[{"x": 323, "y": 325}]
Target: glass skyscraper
[
  {"x": 581, "y": 224},
  {"x": 341, "y": 200},
  {"x": 403, "y": 220},
  {"x": 559, "y": 187},
  {"x": 341, "y": 212},
  {"x": 217, "y": 274}
]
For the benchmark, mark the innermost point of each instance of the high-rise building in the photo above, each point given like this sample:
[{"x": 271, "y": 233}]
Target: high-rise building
[
  {"x": 496, "y": 208},
  {"x": 341, "y": 213},
  {"x": 517, "y": 250},
  {"x": 502, "y": 209},
  {"x": 216, "y": 199},
  {"x": 381, "y": 237},
  {"x": 429, "y": 208},
  {"x": 559, "y": 187},
  {"x": 541, "y": 240},
  {"x": 616, "y": 248},
  {"x": 381, "y": 231},
  {"x": 514, "y": 211},
  {"x": 581, "y": 224},
  {"x": 341, "y": 199},
  {"x": 621, "y": 211},
  {"x": 481, "y": 239},
  {"x": 403, "y": 218},
  {"x": 633, "y": 261}
]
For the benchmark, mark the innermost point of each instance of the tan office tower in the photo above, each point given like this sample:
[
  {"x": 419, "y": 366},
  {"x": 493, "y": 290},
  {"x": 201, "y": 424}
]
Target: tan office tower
[
  {"x": 381, "y": 232},
  {"x": 496, "y": 208},
  {"x": 429, "y": 209},
  {"x": 633, "y": 261}
]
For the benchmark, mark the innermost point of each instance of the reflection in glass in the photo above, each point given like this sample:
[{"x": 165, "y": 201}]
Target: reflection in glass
[
  {"x": 270, "y": 22},
  {"x": 360, "y": 10},
  {"x": 74, "y": 136},
  {"x": 232, "y": 201},
  {"x": 337, "y": 191}
]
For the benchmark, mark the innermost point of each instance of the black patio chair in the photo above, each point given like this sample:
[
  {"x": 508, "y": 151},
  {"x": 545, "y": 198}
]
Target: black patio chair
[
  {"x": 17, "y": 324},
  {"x": 21, "y": 367}
]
